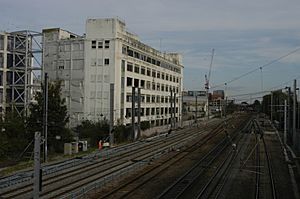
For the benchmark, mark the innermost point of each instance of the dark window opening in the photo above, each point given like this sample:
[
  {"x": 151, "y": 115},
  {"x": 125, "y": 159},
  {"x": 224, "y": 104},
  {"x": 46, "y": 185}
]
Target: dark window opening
[
  {"x": 94, "y": 44},
  {"x": 106, "y": 43},
  {"x": 100, "y": 44},
  {"x": 106, "y": 61},
  {"x": 129, "y": 81},
  {"x": 129, "y": 67}
]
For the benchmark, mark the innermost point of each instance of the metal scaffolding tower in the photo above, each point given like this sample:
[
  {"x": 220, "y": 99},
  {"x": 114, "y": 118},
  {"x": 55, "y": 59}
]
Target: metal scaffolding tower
[{"x": 21, "y": 67}]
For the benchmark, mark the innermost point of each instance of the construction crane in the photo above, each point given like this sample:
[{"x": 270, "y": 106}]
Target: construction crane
[{"x": 207, "y": 78}]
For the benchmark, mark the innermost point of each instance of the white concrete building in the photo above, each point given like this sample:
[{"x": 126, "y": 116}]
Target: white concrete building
[{"x": 108, "y": 54}]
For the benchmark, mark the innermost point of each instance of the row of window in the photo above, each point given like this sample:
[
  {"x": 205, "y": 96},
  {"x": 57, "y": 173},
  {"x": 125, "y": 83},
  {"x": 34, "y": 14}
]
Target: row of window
[
  {"x": 150, "y": 86},
  {"x": 100, "y": 44},
  {"x": 151, "y": 98},
  {"x": 151, "y": 111},
  {"x": 132, "y": 53},
  {"x": 147, "y": 71}
]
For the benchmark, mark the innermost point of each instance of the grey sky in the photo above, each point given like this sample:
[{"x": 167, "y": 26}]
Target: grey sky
[{"x": 244, "y": 34}]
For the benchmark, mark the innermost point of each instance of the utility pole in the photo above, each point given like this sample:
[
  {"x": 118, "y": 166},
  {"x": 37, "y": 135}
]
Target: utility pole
[
  {"x": 37, "y": 166},
  {"x": 139, "y": 113},
  {"x": 196, "y": 114},
  {"x": 45, "y": 117},
  {"x": 171, "y": 109},
  {"x": 289, "y": 114},
  {"x": 225, "y": 108},
  {"x": 271, "y": 106},
  {"x": 133, "y": 113},
  {"x": 111, "y": 124},
  {"x": 285, "y": 122},
  {"x": 295, "y": 140},
  {"x": 174, "y": 110}
]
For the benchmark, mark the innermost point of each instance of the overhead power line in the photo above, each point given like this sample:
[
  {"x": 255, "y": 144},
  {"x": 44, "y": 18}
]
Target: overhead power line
[{"x": 258, "y": 68}]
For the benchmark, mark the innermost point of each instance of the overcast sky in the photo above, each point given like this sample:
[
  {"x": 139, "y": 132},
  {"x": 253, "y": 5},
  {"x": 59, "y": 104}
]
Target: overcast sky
[{"x": 244, "y": 34}]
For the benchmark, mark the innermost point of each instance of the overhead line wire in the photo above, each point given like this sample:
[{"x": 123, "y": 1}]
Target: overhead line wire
[{"x": 258, "y": 68}]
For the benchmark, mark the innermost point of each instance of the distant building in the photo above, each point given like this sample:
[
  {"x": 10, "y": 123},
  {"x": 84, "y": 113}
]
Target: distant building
[
  {"x": 218, "y": 94},
  {"x": 108, "y": 54},
  {"x": 189, "y": 103}
]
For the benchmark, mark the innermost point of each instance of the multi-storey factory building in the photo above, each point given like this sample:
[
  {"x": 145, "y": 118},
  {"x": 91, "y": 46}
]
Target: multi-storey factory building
[{"x": 109, "y": 54}]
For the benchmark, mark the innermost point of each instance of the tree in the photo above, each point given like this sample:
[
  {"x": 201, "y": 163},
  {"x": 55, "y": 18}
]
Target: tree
[
  {"x": 57, "y": 117},
  {"x": 94, "y": 131},
  {"x": 14, "y": 138},
  {"x": 256, "y": 106}
]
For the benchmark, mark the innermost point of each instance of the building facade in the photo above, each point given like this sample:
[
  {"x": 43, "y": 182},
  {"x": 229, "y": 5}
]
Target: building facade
[
  {"x": 108, "y": 54},
  {"x": 19, "y": 68},
  {"x": 194, "y": 104}
]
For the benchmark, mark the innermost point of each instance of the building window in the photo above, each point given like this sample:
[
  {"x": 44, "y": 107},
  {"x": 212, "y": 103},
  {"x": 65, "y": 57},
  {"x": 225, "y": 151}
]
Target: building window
[
  {"x": 129, "y": 67},
  {"x": 153, "y": 98},
  {"x": 162, "y": 87},
  {"x": 124, "y": 49},
  {"x": 128, "y": 112},
  {"x": 147, "y": 111},
  {"x": 167, "y": 77},
  {"x": 153, "y": 73},
  {"x": 100, "y": 44},
  {"x": 136, "y": 55},
  {"x": 167, "y": 88},
  {"x": 148, "y": 99},
  {"x": 163, "y": 76},
  {"x": 128, "y": 98},
  {"x": 158, "y": 99},
  {"x": 158, "y": 87},
  {"x": 158, "y": 74},
  {"x": 106, "y": 61},
  {"x": 148, "y": 72},
  {"x": 143, "y": 98},
  {"x": 129, "y": 81},
  {"x": 142, "y": 83},
  {"x": 152, "y": 111},
  {"x": 130, "y": 52},
  {"x": 136, "y": 69},
  {"x": 148, "y": 85},
  {"x": 94, "y": 44},
  {"x": 143, "y": 70},
  {"x": 136, "y": 82},
  {"x": 153, "y": 86},
  {"x": 106, "y": 43}
]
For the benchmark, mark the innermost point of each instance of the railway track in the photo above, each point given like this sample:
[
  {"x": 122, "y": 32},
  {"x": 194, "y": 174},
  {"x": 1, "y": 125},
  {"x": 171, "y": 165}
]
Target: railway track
[
  {"x": 150, "y": 175},
  {"x": 185, "y": 186},
  {"x": 124, "y": 190},
  {"x": 261, "y": 191},
  {"x": 69, "y": 179}
]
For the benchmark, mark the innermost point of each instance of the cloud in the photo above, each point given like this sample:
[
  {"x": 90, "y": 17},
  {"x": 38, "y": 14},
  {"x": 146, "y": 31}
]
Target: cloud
[{"x": 244, "y": 34}]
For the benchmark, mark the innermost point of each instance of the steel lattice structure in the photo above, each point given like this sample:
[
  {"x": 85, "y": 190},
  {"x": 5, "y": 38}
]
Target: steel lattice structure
[{"x": 21, "y": 54}]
